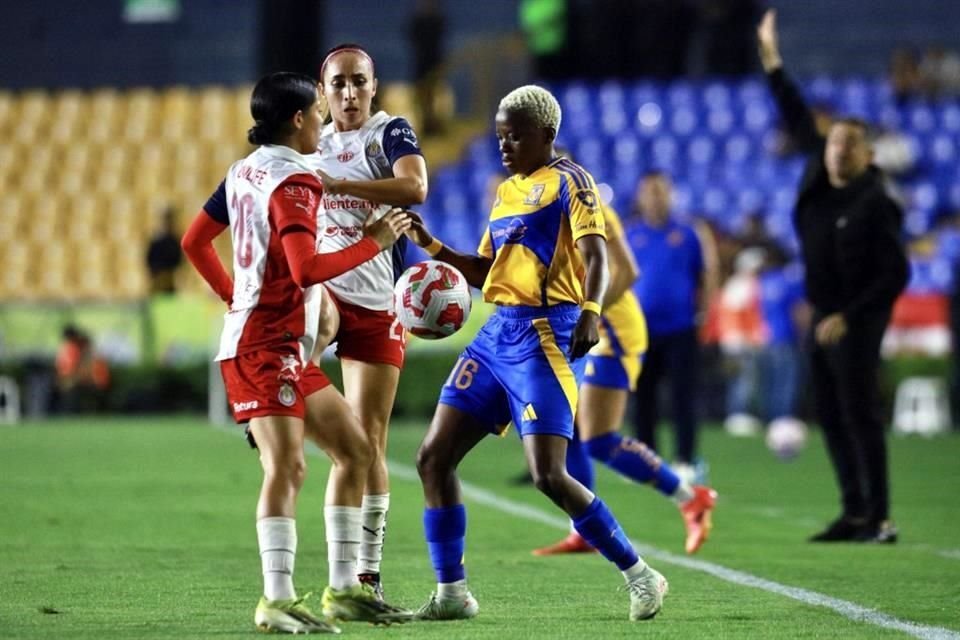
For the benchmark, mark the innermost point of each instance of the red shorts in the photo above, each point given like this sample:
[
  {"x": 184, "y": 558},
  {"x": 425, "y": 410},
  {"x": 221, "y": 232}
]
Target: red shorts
[
  {"x": 371, "y": 336},
  {"x": 270, "y": 383}
]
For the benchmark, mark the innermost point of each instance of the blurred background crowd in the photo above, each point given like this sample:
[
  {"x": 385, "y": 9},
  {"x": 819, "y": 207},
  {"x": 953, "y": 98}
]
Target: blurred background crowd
[{"x": 119, "y": 118}]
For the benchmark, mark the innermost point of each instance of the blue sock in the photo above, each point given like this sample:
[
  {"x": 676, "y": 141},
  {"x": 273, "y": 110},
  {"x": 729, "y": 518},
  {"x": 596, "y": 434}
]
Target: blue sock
[
  {"x": 633, "y": 459},
  {"x": 445, "y": 529},
  {"x": 598, "y": 527},
  {"x": 579, "y": 464}
]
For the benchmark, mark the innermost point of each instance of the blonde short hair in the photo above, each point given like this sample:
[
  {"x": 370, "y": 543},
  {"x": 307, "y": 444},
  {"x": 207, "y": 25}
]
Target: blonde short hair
[{"x": 536, "y": 103}]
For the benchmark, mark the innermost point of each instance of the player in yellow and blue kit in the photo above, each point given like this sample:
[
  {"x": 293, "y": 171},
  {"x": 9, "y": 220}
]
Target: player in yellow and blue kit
[
  {"x": 612, "y": 369},
  {"x": 542, "y": 262}
]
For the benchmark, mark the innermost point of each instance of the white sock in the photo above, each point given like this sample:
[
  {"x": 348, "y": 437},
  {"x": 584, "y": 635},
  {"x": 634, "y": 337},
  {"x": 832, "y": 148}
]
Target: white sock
[
  {"x": 633, "y": 572},
  {"x": 683, "y": 493},
  {"x": 456, "y": 589},
  {"x": 374, "y": 515},
  {"x": 277, "y": 538},
  {"x": 343, "y": 542}
]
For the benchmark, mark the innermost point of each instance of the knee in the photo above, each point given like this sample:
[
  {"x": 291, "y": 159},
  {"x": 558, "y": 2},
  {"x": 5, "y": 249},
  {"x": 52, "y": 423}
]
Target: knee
[
  {"x": 549, "y": 480},
  {"x": 430, "y": 465},
  {"x": 289, "y": 470}
]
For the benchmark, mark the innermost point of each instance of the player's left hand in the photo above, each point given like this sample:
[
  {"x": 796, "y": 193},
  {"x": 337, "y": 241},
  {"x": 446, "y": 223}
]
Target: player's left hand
[
  {"x": 330, "y": 185},
  {"x": 585, "y": 334},
  {"x": 831, "y": 329}
]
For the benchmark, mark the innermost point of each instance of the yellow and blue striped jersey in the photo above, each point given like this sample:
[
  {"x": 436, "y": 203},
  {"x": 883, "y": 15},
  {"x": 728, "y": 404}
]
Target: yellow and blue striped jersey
[
  {"x": 531, "y": 238},
  {"x": 623, "y": 328}
]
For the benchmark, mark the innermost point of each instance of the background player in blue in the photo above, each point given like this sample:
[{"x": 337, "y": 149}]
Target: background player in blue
[
  {"x": 542, "y": 258},
  {"x": 671, "y": 260}
]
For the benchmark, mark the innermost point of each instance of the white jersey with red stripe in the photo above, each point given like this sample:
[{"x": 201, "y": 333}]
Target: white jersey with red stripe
[
  {"x": 268, "y": 309},
  {"x": 367, "y": 153}
]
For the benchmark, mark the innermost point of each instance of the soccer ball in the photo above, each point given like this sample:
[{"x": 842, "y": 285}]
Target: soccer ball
[
  {"x": 432, "y": 300},
  {"x": 786, "y": 437}
]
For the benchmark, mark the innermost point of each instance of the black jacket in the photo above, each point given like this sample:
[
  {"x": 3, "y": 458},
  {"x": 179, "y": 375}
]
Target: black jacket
[{"x": 850, "y": 238}]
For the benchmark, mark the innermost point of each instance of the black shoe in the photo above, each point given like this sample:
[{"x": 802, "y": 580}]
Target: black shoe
[
  {"x": 372, "y": 579},
  {"x": 884, "y": 532},
  {"x": 843, "y": 529}
]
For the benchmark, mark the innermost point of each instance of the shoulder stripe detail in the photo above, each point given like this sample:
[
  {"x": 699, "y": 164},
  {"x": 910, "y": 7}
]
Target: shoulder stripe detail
[
  {"x": 574, "y": 177},
  {"x": 576, "y": 169}
]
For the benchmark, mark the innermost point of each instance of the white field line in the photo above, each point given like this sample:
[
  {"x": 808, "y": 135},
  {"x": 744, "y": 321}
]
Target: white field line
[
  {"x": 845, "y": 608},
  {"x": 851, "y": 610}
]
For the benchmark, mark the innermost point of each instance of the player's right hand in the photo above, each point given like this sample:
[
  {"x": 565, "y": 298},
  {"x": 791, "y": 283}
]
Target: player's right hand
[
  {"x": 417, "y": 232},
  {"x": 388, "y": 229},
  {"x": 768, "y": 41}
]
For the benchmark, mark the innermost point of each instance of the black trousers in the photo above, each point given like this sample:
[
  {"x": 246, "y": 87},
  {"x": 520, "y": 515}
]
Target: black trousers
[
  {"x": 674, "y": 356},
  {"x": 845, "y": 384}
]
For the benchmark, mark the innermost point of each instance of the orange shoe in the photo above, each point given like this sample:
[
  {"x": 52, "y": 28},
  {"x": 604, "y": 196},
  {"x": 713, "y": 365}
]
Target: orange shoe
[
  {"x": 573, "y": 543},
  {"x": 696, "y": 516}
]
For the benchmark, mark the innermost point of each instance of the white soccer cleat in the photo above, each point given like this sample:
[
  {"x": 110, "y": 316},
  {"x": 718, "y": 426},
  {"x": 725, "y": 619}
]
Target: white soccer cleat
[
  {"x": 646, "y": 594},
  {"x": 458, "y": 608}
]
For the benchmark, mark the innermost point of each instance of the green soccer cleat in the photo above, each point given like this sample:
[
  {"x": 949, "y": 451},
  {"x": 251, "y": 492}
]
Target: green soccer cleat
[
  {"x": 646, "y": 594},
  {"x": 289, "y": 616},
  {"x": 438, "y": 608},
  {"x": 360, "y": 603}
]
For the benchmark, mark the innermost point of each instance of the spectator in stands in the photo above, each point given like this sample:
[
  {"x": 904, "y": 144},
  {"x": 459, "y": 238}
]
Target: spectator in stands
[
  {"x": 427, "y": 33},
  {"x": 83, "y": 378},
  {"x": 849, "y": 230},
  {"x": 673, "y": 267},
  {"x": 905, "y": 79},
  {"x": 940, "y": 72},
  {"x": 164, "y": 255}
]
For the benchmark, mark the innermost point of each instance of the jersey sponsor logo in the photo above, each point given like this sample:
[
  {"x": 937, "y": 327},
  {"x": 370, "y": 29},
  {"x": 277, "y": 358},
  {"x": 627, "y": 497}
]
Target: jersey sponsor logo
[
  {"x": 331, "y": 203},
  {"x": 675, "y": 238},
  {"x": 373, "y": 149},
  {"x": 349, "y": 231},
  {"x": 286, "y": 395},
  {"x": 533, "y": 198},
  {"x": 408, "y": 135},
  {"x": 245, "y": 406},
  {"x": 514, "y": 232},
  {"x": 595, "y": 224},
  {"x": 588, "y": 198},
  {"x": 346, "y": 156}
]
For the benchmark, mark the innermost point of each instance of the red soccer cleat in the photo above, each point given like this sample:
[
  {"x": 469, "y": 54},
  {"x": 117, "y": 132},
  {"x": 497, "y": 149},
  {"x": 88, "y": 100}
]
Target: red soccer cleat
[
  {"x": 696, "y": 516},
  {"x": 573, "y": 543}
]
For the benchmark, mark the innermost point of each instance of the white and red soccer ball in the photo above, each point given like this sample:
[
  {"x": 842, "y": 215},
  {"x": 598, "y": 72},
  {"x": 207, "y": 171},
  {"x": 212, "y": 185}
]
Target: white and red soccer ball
[{"x": 432, "y": 299}]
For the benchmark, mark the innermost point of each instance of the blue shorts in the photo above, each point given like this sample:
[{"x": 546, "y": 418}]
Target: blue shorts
[
  {"x": 517, "y": 370},
  {"x": 613, "y": 372}
]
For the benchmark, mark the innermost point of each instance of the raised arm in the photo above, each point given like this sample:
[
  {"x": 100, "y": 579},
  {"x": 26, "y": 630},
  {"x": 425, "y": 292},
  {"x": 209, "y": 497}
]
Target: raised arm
[
  {"x": 407, "y": 187},
  {"x": 473, "y": 267},
  {"x": 796, "y": 115},
  {"x": 293, "y": 214}
]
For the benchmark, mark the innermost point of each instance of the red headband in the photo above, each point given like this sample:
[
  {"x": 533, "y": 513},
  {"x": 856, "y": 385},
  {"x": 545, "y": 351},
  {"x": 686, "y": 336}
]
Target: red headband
[{"x": 345, "y": 50}]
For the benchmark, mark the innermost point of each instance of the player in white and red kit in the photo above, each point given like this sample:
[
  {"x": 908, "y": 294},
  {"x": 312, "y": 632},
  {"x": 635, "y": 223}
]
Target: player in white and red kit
[
  {"x": 368, "y": 162},
  {"x": 269, "y": 200}
]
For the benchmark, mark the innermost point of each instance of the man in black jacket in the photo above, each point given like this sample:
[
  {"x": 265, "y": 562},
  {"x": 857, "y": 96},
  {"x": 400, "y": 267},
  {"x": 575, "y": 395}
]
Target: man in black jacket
[{"x": 849, "y": 230}]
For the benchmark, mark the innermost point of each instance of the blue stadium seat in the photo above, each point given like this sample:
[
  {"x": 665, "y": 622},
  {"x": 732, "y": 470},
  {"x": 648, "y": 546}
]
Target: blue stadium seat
[
  {"x": 822, "y": 89},
  {"x": 701, "y": 150},
  {"x": 948, "y": 117},
  {"x": 684, "y": 121},
  {"x": 717, "y": 95}
]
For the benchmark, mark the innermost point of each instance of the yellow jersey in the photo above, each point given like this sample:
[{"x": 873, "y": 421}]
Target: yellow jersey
[
  {"x": 623, "y": 327},
  {"x": 534, "y": 225}
]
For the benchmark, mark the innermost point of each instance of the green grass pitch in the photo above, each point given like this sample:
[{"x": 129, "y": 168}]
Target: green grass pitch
[{"x": 143, "y": 528}]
